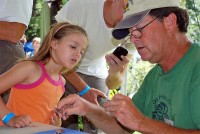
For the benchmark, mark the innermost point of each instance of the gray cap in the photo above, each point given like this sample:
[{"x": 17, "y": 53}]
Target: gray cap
[{"x": 138, "y": 11}]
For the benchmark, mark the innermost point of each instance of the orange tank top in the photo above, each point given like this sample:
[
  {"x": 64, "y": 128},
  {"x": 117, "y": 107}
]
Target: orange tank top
[{"x": 37, "y": 99}]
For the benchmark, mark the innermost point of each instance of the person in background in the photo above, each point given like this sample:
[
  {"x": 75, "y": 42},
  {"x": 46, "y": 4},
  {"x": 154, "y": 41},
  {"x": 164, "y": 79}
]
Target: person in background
[
  {"x": 97, "y": 17},
  {"x": 23, "y": 39},
  {"x": 14, "y": 20},
  {"x": 168, "y": 100},
  {"x": 35, "y": 45},
  {"x": 36, "y": 83}
]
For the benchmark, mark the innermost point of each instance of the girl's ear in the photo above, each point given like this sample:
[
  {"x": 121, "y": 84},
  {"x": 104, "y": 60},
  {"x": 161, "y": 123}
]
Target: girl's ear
[
  {"x": 171, "y": 22},
  {"x": 54, "y": 43}
]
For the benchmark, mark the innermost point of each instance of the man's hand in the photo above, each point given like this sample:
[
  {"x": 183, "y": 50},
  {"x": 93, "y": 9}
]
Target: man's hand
[
  {"x": 122, "y": 108},
  {"x": 117, "y": 69},
  {"x": 73, "y": 104},
  {"x": 115, "y": 64}
]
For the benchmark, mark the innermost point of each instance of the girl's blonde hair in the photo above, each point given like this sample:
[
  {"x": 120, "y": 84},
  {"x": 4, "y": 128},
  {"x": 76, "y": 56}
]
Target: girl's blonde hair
[{"x": 58, "y": 31}]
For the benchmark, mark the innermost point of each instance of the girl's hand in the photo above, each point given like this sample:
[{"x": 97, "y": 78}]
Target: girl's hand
[
  {"x": 20, "y": 121},
  {"x": 55, "y": 120}
]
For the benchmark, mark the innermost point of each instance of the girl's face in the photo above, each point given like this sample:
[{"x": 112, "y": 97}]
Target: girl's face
[{"x": 69, "y": 50}]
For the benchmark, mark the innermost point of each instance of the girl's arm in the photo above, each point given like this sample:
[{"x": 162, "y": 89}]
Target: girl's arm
[{"x": 20, "y": 73}]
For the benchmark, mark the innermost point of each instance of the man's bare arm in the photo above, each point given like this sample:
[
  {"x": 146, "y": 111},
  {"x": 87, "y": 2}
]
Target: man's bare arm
[
  {"x": 80, "y": 84},
  {"x": 11, "y": 31}
]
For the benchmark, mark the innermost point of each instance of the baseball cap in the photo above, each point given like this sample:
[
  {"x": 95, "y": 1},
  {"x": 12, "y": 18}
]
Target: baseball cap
[{"x": 137, "y": 12}]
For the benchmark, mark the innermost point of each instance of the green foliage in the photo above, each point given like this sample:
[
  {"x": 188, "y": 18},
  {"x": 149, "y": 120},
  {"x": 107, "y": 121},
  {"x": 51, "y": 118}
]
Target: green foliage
[
  {"x": 80, "y": 123},
  {"x": 193, "y": 7},
  {"x": 34, "y": 25},
  {"x": 64, "y": 1},
  {"x": 136, "y": 73}
]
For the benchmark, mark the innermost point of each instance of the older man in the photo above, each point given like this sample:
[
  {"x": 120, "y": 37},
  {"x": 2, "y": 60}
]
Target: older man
[{"x": 167, "y": 101}]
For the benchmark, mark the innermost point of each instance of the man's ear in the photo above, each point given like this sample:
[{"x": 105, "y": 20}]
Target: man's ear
[
  {"x": 54, "y": 43},
  {"x": 171, "y": 22}
]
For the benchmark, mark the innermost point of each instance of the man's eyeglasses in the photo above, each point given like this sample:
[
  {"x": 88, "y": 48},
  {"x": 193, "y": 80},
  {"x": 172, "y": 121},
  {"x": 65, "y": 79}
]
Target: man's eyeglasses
[{"x": 137, "y": 33}]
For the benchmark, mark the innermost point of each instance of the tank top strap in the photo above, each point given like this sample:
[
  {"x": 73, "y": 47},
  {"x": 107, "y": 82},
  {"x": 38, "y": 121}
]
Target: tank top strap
[
  {"x": 37, "y": 82},
  {"x": 44, "y": 73},
  {"x": 61, "y": 81}
]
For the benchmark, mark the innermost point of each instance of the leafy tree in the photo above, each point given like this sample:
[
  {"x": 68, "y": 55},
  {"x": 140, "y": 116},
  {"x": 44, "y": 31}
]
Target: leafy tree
[
  {"x": 193, "y": 7},
  {"x": 136, "y": 73},
  {"x": 34, "y": 25}
]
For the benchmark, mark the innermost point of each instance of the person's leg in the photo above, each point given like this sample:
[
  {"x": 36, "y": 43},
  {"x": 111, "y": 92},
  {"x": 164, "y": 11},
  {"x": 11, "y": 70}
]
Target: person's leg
[
  {"x": 9, "y": 54},
  {"x": 72, "y": 121},
  {"x": 97, "y": 83}
]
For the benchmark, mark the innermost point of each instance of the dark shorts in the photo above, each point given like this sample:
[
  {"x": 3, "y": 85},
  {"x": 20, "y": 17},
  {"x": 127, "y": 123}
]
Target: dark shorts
[{"x": 9, "y": 54}]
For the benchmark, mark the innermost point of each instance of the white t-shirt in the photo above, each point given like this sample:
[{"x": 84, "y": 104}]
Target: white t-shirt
[
  {"x": 16, "y": 11},
  {"x": 89, "y": 15}
]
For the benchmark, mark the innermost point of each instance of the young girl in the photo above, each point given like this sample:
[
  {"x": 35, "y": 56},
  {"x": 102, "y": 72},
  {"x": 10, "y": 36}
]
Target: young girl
[{"x": 36, "y": 84}]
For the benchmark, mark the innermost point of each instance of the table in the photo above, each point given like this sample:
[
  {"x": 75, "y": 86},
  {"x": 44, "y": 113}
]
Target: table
[{"x": 35, "y": 127}]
